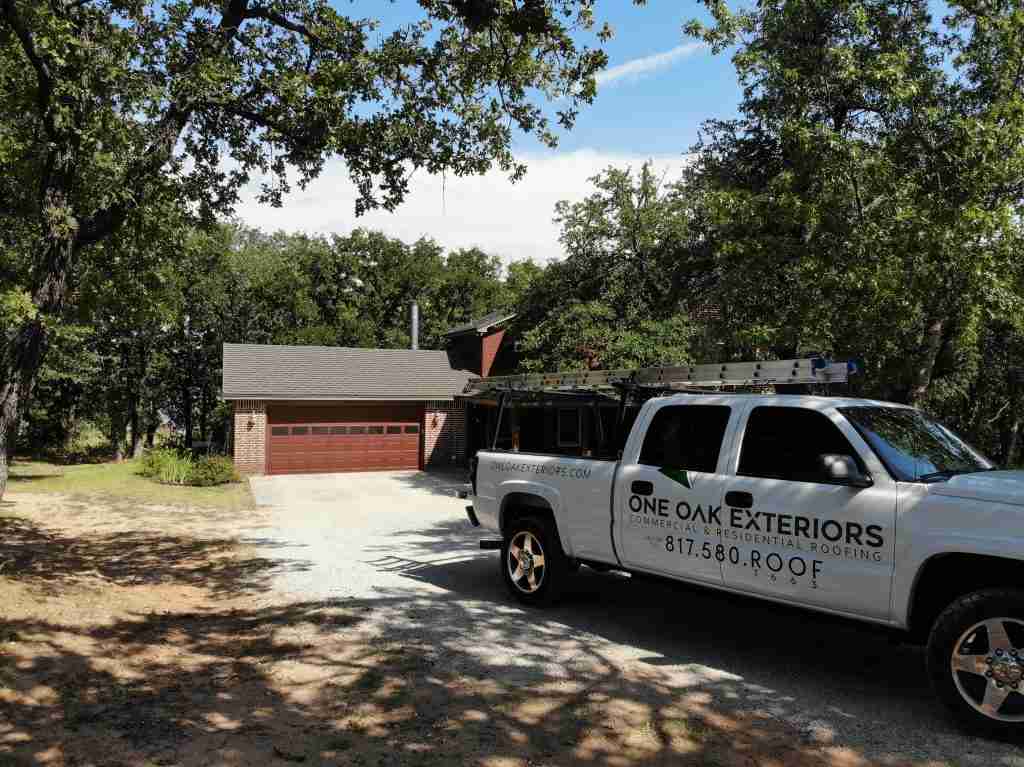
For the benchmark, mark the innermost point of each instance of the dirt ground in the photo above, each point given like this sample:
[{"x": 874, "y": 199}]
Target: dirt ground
[{"x": 134, "y": 635}]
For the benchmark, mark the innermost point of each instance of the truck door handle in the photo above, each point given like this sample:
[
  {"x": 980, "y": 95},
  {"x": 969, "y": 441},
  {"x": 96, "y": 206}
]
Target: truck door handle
[
  {"x": 737, "y": 499},
  {"x": 642, "y": 487}
]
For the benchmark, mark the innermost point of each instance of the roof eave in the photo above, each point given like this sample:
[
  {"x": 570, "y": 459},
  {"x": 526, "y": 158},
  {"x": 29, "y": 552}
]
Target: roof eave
[{"x": 480, "y": 329}]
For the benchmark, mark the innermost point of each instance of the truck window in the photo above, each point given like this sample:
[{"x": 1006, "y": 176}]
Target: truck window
[
  {"x": 787, "y": 442},
  {"x": 686, "y": 437},
  {"x": 912, "y": 445},
  {"x": 568, "y": 427}
]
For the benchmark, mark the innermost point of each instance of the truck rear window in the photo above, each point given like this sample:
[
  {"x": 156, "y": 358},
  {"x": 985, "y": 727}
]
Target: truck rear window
[{"x": 686, "y": 437}]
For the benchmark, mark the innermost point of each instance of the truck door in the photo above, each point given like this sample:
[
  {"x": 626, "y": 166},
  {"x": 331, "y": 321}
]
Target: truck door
[
  {"x": 669, "y": 495},
  {"x": 790, "y": 533}
]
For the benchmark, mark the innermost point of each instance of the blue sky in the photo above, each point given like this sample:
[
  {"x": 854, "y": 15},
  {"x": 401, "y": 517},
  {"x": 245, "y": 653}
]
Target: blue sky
[
  {"x": 660, "y": 110},
  {"x": 658, "y": 89}
]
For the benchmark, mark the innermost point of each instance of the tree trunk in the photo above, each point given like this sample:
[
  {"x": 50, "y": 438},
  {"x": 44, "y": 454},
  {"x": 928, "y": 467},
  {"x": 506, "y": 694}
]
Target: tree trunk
[
  {"x": 923, "y": 362},
  {"x": 1010, "y": 438},
  {"x": 204, "y": 413},
  {"x": 152, "y": 424},
  {"x": 186, "y": 409},
  {"x": 117, "y": 435},
  {"x": 1009, "y": 429},
  {"x": 8, "y": 402},
  {"x": 136, "y": 428},
  {"x": 24, "y": 356},
  {"x": 69, "y": 423}
]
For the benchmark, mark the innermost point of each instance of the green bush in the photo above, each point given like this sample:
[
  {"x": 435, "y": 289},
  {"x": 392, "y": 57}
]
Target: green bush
[
  {"x": 167, "y": 466},
  {"x": 152, "y": 461},
  {"x": 213, "y": 470},
  {"x": 175, "y": 467}
]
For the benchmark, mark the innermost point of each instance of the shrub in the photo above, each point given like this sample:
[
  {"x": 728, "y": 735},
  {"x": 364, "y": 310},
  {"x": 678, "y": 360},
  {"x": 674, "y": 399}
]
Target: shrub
[
  {"x": 175, "y": 467},
  {"x": 167, "y": 466},
  {"x": 212, "y": 470},
  {"x": 153, "y": 460}
]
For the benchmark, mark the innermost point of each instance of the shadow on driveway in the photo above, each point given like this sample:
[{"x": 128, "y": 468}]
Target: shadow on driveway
[
  {"x": 446, "y": 482},
  {"x": 835, "y": 679}
]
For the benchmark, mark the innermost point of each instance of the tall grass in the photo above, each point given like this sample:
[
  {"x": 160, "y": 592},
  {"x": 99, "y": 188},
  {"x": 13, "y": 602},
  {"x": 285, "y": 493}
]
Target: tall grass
[
  {"x": 167, "y": 466},
  {"x": 175, "y": 467}
]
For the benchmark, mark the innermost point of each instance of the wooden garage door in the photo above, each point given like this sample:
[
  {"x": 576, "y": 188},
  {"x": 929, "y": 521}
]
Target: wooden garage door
[{"x": 302, "y": 441}]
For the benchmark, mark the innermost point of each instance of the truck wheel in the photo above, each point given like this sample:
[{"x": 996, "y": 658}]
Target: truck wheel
[
  {"x": 533, "y": 564},
  {"x": 976, "y": 660}
]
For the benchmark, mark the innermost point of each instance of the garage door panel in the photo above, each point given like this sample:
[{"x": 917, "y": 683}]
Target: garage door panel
[{"x": 357, "y": 438}]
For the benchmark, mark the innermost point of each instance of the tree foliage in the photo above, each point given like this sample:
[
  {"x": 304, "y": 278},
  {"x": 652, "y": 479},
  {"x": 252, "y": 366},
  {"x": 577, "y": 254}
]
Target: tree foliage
[
  {"x": 113, "y": 105},
  {"x": 621, "y": 295},
  {"x": 867, "y": 199}
]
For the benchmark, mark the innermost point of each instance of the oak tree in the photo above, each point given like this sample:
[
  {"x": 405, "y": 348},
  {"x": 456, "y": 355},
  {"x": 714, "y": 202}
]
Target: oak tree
[{"x": 109, "y": 103}]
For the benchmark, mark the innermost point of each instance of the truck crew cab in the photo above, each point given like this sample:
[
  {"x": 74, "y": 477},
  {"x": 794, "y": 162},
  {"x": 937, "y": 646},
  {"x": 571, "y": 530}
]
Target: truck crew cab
[{"x": 860, "y": 508}]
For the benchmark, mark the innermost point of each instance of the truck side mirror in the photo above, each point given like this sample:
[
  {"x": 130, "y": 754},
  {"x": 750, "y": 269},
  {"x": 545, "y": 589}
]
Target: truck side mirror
[{"x": 843, "y": 470}]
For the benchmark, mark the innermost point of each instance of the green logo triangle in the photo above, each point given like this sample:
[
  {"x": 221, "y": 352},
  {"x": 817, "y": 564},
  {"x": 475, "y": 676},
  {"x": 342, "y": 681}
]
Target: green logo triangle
[{"x": 678, "y": 475}]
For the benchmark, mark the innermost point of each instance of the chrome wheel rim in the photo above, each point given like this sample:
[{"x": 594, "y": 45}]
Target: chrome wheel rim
[
  {"x": 525, "y": 562},
  {"x": 988, "y": 669}
]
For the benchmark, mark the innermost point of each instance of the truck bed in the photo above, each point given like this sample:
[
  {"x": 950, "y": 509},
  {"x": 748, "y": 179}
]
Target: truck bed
[{"x": 577, "y": 490}]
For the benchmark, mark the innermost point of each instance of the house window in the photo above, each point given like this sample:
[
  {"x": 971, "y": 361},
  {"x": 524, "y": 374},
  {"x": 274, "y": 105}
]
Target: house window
[
  {"x": 394, "y": 430},
  {"x": 300, "y": 430},
  {"x": 339, "y": 430},
  {"x": 412, "y": 429},
  {"x": 376, "y": 430},
  {"x": 279, "y": 431},
  {"x": 357, "y": 430},
  {"x": 321, "y": 430},
  {"x": 568, "y": 427}
]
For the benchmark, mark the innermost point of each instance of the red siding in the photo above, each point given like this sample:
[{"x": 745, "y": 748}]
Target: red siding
[{"x": 490, "y": 346}]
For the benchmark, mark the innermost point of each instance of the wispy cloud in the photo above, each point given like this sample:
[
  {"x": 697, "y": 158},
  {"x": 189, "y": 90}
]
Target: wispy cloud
[{"x": 645, "y": 65}]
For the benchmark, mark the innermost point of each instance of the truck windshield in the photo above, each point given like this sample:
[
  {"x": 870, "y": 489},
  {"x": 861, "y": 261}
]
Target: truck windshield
[{"x": 913, "y": 447}]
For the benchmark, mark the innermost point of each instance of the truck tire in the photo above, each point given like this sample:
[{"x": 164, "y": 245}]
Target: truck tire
[
  {"x": 976, "y": 660},
  {"x": 532, "y": 563}
]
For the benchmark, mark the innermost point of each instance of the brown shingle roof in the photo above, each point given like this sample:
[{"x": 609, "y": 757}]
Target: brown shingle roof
[{"x": 257, "y": 371}]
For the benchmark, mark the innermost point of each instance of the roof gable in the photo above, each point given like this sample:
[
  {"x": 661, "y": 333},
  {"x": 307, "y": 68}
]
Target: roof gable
[
  {"x": 258, "y": 371},
  {"x": 483, "y": 324}
]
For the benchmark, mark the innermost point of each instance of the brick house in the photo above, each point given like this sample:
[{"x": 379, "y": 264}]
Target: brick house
[{"x": 314, "y": 409}]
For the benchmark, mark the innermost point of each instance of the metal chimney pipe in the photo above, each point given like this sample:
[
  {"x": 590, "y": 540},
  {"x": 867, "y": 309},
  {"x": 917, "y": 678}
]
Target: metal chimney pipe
[{"x": 415, "y": 326}]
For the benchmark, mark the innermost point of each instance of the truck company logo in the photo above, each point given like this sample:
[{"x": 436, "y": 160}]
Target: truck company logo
[
  {"x": 639, "y": 504},
  {"x": 678, "y": 475},
  {"x": 751, "y": 526}
]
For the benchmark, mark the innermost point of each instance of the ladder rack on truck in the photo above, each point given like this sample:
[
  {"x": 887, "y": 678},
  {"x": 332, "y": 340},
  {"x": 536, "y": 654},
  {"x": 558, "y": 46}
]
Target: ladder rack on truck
[
  {"x": 630, "y": 387},
  {"x": 809, "y": 370}
]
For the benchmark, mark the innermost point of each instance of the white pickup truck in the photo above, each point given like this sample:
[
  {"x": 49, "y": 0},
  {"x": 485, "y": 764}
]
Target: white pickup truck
[{"x": 864, "y": 509}]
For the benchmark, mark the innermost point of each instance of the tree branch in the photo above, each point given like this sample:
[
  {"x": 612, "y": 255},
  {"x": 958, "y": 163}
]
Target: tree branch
[
  {"x": 104, "y": 222},
  {"x": 43, "y": 75},
  {"x": 299, "y": 138},
  {"x": 279, "y": 20}
]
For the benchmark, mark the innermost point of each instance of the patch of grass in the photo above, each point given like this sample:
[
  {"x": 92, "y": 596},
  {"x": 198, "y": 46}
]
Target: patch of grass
[{"x": 122, "y": 480}]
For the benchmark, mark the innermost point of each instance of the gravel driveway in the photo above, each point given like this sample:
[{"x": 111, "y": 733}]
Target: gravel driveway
[{"x": 399, "y": 544}]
